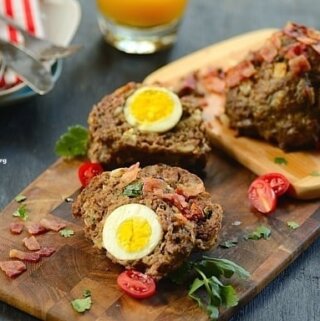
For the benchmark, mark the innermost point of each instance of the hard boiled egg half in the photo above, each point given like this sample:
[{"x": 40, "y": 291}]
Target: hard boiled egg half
[
  {"x": 131, "y": 232},
  {"x": 153, "y": 109}
]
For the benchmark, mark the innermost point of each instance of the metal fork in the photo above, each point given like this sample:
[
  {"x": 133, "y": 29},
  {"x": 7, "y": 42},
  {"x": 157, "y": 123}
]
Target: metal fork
[{"x": 40, "y": 48}]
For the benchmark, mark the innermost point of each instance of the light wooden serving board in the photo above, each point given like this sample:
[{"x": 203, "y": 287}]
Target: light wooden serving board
[
  {"x": 302, "y": 168},
  {"x": 46, "y": 288}
]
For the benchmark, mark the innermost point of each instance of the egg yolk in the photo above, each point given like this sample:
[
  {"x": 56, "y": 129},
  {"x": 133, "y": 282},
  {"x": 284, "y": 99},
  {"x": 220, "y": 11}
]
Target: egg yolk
[
  {"x": 133, "y": 234},
  {"x": 151, "y": 106}
]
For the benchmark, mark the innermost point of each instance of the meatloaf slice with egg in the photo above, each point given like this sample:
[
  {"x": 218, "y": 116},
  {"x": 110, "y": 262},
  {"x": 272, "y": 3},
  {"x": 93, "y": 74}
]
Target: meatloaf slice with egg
[
  {"x": 114, "y": 141},
  {"x": 149, "y": 219},
  {"x": 275, "y": 92}
]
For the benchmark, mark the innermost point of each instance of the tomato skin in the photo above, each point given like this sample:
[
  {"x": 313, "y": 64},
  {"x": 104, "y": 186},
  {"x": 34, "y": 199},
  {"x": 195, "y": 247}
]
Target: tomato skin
[
  {"x": 277, "y": 181},
  {"x": 87, "y": 171},
  {"x": 136, "y": 284},
  {"x": 262, "y": 197}
]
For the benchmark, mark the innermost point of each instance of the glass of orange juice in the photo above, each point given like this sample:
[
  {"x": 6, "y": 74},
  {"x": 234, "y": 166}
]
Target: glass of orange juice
[{"x": 140, "y": 26}]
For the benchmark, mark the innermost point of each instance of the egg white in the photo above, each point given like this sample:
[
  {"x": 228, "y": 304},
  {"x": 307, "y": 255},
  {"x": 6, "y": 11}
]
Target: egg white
[
  {"x": 122, "y": 213},
  {"x": 161, "y": 125}
]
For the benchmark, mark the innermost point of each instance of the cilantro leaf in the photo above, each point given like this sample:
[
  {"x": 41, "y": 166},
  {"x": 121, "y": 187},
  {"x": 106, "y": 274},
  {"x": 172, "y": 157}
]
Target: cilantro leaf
[
  {"x": 293, "y": 225},
  {"x": 280, "y": 161},
  {"x": 133, "y": 190},
  {"x": 81, "y": 305},
  {"x": 20, "y": 198},
  {"x": 315, "y": 173},
  {"x": 66, "y": 232},
  {"x": 21, "y": 212},
  {"x": 208, "y": 290},
  {"x": 229, "y": 243},
  {"x": 261, "y": 232},
  {"x": 73, "y": 143}
]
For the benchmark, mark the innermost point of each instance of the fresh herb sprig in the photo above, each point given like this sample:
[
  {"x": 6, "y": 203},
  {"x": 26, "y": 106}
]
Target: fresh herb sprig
[
  {"x": 207, "y": 289},
  {"x": 21, "y": 212},
  {"x": 73, "y": 143},
  {"x": 83, "y": 304},
  {"x": 261, "y": 232},
  {"x": 66, "y": 232},
  {"x": 133, "y": 189}
]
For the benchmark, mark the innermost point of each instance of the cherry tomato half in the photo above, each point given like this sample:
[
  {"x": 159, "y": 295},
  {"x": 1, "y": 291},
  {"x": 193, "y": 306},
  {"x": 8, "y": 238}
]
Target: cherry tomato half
[
  {"x": 88, "y": 170},
  {"x": 136, "y": 284},
  {"x": 262, "y": 197},
  {"x": 277, "y": 181}
]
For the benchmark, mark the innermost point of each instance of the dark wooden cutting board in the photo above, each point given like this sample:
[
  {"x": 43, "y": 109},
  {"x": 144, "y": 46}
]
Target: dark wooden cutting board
[{"x": 47, "y": 287}]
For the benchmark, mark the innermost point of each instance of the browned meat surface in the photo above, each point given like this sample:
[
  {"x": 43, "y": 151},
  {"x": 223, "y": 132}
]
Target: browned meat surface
[
  {"x": 274, "y": 94},
  {"x": 114, "y": 142},
  {"x": 189, "y": 218}
]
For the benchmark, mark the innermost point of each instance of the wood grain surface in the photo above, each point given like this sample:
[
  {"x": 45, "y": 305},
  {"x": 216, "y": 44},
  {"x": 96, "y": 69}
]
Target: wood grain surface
[
  {"x": 302, "y": 168},
  {"x": 46, "y": 289}
]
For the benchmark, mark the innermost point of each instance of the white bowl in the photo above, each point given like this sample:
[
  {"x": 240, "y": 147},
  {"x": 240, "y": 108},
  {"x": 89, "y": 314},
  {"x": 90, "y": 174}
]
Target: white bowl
[{"x": 60, "y": 20}]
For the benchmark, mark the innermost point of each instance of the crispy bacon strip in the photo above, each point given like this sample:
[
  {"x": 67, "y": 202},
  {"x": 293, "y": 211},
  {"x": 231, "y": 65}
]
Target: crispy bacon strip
[
  {"x": 131, "y": 174},
  {"x": 36, "y": 229},
  {"x": 299, "y": 64},
  {"x": 16, "y": 227},
  {"x": 25, "y": 256},
  {"x": 31, "y": 243},
  {"x": 154, "y": 185},
  {"x": 190, "y": 191},
  {"x": 243, "y": 70},
  {"x": 46, "y": 251},
  {"x": 12, "y": 268},
  {"x": 188, "y": 86},
  {"x": 52, "y": 225},
  {"x": 268, "y": 52}
]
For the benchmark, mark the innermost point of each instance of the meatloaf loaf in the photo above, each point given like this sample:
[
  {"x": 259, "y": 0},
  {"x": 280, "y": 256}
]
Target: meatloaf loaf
[
  {"x": 188, "y": 217},
  {"x": 114, "y": 142},
  {"x": 274, "y": 93}
]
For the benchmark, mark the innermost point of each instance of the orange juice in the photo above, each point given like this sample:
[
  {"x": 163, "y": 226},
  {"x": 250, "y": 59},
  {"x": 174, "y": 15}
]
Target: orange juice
[{"x": 142, "y": 13}]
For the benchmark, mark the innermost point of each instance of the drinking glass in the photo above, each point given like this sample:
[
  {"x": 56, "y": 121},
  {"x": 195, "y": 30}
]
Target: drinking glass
[{"x": 140, "y": 26}]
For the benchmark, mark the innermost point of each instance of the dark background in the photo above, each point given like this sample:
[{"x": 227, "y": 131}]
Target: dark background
[{"x": 28, "y": 131}]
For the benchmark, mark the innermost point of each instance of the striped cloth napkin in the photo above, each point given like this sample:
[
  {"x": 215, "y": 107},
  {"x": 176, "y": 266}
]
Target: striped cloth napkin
[{"x": 27, "y": 14}]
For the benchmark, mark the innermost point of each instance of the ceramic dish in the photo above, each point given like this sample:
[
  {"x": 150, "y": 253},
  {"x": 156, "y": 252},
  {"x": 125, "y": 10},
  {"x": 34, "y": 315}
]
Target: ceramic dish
[{"x": 68, "y": 13}]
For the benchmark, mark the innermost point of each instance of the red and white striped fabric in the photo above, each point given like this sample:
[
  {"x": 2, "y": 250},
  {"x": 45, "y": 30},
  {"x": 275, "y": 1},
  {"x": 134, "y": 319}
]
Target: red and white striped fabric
[{"x": 27, "y": 14}]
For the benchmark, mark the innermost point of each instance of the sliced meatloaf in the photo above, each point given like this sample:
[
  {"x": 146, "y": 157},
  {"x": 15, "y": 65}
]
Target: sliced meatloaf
[
  {"x": 114, "y": 142},
  {"x": 189, "y": 218},
  {"x": 274, "y": 93}
]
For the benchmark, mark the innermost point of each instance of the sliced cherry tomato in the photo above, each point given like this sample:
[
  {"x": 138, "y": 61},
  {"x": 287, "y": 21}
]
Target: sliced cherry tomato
[
  {"x": 136, "y": 284},
  {"x": 262, "y": 197},
  {"x": 87, "y": 171},
  {"x": 277, "y": 181}
]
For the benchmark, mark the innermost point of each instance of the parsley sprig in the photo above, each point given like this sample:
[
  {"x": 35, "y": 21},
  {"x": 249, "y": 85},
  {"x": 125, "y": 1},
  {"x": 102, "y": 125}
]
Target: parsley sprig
[
  {"x": 73, "y": 143},
  {"x": 84, "y": 304},
  {"x": 21, "y": 212},
  {"x": 207, "y": 289},
  {"x": 133, "y": 189}
]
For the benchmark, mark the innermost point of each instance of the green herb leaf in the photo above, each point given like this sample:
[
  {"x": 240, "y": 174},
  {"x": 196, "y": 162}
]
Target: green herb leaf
[
  {"x": 208, "y": 290},
  {"x": 229, "y": 243},
  {"x": 280, "y": 161},
  {"x": 293, "y": 225},
  {"x": 21, "y": 212},
  {"x": 133, "y": 190},
  {"x": 229, "y": 296},
  {"x": 315, "y": 173},
  {"x": 226, "y": 268},
  {"x": 73, "y": 143},
  {"x": 259, "y": 233},
  {"x": 82, "y": 305},
  {"x": 66, "y": 232},
  {"x": 20, "y": 198}
]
